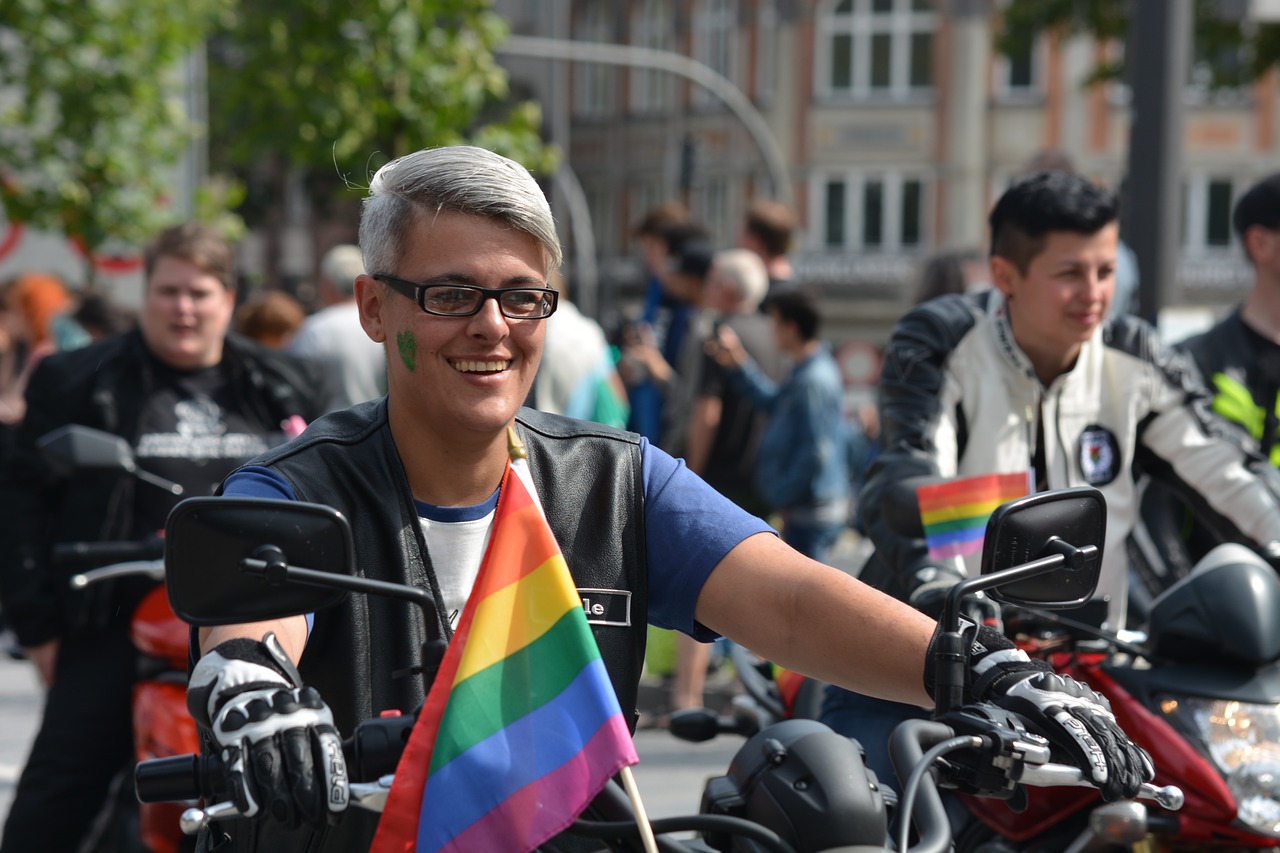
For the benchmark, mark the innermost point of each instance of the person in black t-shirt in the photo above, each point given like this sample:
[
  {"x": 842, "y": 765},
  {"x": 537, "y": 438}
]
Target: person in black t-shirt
[{"x": 193, "y": 404}]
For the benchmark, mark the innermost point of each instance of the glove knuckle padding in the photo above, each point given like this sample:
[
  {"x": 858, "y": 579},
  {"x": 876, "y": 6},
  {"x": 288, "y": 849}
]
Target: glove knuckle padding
[
  {"x": 1072, "y": 715},
  {"x": 281, "y": 748}
]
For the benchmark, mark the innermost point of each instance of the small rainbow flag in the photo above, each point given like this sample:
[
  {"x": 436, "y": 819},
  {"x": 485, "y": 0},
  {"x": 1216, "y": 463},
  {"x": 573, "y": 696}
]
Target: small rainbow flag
[
  {"x": 789, "y": 683},
  {"x": 521, "y": 728},
  {"x": 955, "y": 513}
]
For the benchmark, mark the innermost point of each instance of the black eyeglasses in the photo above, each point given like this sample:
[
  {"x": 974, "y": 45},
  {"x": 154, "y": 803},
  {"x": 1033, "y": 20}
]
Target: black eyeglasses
[{"x": 463, "y": 300}]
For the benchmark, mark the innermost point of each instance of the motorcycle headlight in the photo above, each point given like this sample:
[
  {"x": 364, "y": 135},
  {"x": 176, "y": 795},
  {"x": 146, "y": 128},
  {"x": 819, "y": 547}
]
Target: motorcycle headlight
[{"x": 1243, "y": 741}]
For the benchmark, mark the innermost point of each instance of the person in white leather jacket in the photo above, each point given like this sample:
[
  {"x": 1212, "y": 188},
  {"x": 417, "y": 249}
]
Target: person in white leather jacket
[{"x": 1031, "y": 377}]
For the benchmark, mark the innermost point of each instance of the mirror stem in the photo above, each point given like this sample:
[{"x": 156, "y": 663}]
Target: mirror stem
[
  {"x": 268, "y": 562},
  {"x": 952, "y": 656}
]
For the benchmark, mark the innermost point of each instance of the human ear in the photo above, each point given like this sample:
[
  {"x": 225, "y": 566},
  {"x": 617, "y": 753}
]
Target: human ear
[
  {"x": 370, "y": 299},
  {"x": 1004, "y": 273}
]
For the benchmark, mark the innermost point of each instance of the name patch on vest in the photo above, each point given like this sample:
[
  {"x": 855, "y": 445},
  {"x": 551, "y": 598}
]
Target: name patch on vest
[{"x": 606, "y": 606}]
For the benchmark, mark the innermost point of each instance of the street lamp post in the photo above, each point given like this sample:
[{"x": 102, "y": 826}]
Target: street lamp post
[{"x": 674, "y": 63}]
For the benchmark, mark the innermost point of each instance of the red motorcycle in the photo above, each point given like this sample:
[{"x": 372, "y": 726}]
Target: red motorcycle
[
  {"x": 161, "y": 724},
  {"x": 1200, "y": 692}
]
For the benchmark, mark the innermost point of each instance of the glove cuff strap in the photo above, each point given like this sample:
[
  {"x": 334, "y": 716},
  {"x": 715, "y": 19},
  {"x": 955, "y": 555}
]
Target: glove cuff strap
[{"x": 980, "y": 641}]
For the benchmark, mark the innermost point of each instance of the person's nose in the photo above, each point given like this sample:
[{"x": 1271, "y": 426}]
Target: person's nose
[
  {"x": 489, "y": 321},
  {"x": 1095, "y": 284}
]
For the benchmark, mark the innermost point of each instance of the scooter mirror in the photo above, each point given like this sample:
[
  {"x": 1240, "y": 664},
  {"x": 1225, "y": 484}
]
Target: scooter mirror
[
  {"x": 222, "y": 555},
  {"x": 74, "y": 447},
  {"x": 1071, "y": 523}
]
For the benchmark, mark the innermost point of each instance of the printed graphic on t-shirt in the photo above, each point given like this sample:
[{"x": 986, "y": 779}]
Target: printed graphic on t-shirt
[{"x": 200, "y": 431}]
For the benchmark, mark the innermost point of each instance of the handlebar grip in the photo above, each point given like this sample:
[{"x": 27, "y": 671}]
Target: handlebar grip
[
  {"x": 174, "y": 778},
  {"x": 87, "y": 553},
  {"x": 371, "y": 752}
]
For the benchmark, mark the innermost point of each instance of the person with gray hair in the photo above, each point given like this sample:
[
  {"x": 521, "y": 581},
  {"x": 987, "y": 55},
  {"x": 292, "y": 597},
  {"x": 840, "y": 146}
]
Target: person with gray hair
[
  {"x": 333, "y": 337},
  {"x": 460, "y": 246},
  {"x": 724, "y": 428}
]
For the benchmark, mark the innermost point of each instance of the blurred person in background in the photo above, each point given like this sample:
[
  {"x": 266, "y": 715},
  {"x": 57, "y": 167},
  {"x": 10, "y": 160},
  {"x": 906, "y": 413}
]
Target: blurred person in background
[
  {"x": 193, "y": 402},
  {"x": 953, "y": 271},
  {"x": 271, "y": 318},
  {"x": 34, "y": 301},
  {"x": 802, "y": 463},
  {"x": 724, "y": 427},
  {"x": 577, "y": 376},
  {"x": 333, "y": 335},
  {"x": 768, "y": 229},
  {"x": 660, "y": 322},
  {"x": 675, "y": 370},
  {"x": 100, "y": 317}
]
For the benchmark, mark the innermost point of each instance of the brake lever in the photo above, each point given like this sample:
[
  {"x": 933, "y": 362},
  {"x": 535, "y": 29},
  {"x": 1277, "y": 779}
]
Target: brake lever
[{"x": 1064, "y": 775}]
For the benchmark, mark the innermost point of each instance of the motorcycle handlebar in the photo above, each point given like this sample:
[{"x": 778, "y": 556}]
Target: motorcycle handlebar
[
  {"x": 98, "y": 553},
  {"x": 372, "y": 752}
]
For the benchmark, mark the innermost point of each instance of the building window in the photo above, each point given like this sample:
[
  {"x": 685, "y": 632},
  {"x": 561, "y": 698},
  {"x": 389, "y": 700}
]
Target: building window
[
  {"x": 653, "y": 27},
  {"x": 876, "y": 48},
  {"x": 596, "y": 83},
  {"x": 1019, "y": 77},
  {"x": 866, "y": 213},
  {"x": 715, "y": 43},
  {"x": 1206, "y": 226}
]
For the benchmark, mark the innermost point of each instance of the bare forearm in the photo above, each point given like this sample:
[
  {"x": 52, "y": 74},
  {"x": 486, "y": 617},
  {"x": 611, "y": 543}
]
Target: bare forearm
[{"x": 818, "y": 621}]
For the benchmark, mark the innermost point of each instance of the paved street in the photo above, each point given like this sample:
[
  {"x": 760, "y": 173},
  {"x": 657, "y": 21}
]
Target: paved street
[{"x": 19, "y": 712}]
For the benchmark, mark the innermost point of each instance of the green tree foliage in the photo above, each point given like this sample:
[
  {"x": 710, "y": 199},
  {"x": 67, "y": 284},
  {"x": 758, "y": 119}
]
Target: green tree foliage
[
  {"x": 332, "y": 89},
  {"x": 1227, "y": 52},
  {"x": 92, "y": 118}
]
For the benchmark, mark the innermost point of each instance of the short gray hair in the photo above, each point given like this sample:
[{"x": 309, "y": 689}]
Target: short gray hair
[
  {"x": 342, "y": 265},
  {"x": 745, "y": 270},
  {"x": 456, "y": 179}
]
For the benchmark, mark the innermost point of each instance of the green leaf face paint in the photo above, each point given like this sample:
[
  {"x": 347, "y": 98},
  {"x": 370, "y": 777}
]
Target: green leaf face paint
[{"x": 408, "y": 347}]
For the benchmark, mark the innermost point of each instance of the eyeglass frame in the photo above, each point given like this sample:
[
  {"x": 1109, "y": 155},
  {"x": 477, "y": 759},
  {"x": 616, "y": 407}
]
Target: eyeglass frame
[{"x": 416, "y": 291}]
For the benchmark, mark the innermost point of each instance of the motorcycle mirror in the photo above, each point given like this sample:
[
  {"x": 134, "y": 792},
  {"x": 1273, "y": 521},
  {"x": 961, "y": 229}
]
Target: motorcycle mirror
[
  {"x": 75, "y": 448},
  {"x": 221, "y": 554},
  {"x": 1067, "y": 522}
]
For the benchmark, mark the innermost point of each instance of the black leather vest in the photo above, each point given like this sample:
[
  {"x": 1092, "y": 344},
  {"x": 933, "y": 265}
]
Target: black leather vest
[{"x": 589, "y": 481}]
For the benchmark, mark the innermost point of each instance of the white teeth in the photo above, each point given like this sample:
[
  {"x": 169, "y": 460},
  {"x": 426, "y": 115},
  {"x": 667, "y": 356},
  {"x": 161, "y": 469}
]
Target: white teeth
[{"x": 481, "y": 366}]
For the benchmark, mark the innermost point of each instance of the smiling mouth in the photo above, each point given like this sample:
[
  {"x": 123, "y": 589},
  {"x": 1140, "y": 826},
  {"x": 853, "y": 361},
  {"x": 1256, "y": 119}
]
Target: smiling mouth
[{"x": 481, "y": 366}]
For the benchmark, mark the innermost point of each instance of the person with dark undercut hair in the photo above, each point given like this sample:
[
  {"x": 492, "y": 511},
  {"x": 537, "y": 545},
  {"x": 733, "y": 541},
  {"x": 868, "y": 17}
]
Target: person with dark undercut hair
[{"x": 1032, "y": 378}]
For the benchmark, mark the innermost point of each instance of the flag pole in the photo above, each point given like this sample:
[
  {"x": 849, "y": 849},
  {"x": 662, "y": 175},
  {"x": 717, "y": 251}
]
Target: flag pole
[
  {"x": 642, "y": 819},
  {"x": 515, "y": 451}
]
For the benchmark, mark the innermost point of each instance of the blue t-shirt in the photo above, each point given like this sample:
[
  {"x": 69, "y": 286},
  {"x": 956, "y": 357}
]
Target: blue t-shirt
[{"x": 689, "y": 527}]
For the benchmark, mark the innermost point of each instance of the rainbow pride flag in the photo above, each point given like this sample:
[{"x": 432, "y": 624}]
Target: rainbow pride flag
[
  {"x": 955, "y": 513},
  {"x": 789, "y": 683},
  {"x": 521, "y": 728}
]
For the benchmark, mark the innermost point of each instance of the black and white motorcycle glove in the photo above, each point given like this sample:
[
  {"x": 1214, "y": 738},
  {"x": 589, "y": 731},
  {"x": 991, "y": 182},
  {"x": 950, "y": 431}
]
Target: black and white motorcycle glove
[
  {"x": 281, "y": 750},
  {"x": 1075, "y": 719}
]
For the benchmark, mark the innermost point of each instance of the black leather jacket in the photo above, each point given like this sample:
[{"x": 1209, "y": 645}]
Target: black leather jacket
[
  {"x": 1242, "y": 368},
  {"x": 105, "y": 386}
]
